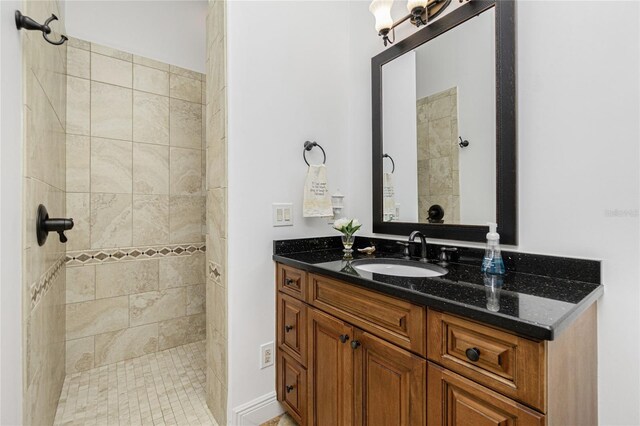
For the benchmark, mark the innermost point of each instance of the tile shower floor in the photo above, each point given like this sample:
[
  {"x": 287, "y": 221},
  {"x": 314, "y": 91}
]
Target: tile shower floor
[{"x": 163, "y": 388}]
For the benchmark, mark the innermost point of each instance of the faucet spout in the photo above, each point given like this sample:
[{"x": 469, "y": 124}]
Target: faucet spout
[{"x": 423, "y": 242}]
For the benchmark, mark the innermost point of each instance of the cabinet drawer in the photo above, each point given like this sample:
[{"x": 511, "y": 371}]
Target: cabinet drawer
[
  {"x": 453, "y": 400},
  {"x": 512, "y": 365},
  {"x": 292, "y": 327},
  {"x": 292, "y": 387},
  {"x": 395, "y": 320},
  {"x": 292, "y": 281}
]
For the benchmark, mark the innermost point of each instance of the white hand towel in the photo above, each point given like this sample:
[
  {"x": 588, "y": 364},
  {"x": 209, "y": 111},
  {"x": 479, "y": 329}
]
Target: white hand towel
[
  {"x": 317, "y": 201},
  {"x": 388, "y": 197}
]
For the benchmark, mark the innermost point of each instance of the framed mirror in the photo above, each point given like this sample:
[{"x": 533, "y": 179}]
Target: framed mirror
[{"x": 444, "y": 127}]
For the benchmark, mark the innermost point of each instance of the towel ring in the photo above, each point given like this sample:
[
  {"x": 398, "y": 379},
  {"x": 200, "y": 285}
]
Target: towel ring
[
  {"x": 308, "y": 146},
  {"x": 393, "y": 163}
]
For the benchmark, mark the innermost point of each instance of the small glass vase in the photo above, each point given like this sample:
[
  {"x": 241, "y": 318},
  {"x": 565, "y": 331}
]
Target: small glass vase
[{"x": 347, "y": 242}]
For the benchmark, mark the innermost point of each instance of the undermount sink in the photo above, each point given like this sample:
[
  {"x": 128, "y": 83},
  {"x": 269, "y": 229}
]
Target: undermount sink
[{"x": 399, "y": 268}]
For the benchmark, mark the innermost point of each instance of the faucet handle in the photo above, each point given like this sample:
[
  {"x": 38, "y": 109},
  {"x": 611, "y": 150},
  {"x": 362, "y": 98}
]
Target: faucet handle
[
  {"x": 444, "y": 255},
  {"x": 405, "y": 252}
]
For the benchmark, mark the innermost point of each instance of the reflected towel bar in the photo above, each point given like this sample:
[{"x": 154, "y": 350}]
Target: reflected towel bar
[{"x": 393, "y": 163}]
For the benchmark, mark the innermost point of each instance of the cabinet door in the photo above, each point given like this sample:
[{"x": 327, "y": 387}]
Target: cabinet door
[
  {"x": 456, "y": 401},
  {"x": 291, "y": 386},
  {"x": 390, "y": 383},
  {"x": 330, "y": 367},
  {"x": 292, "y": 327}
]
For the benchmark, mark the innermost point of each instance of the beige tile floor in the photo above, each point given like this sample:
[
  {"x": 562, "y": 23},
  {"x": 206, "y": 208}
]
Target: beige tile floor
[
  {"x": 163, "y": 388},
  {"x": 282, "y": 420}
]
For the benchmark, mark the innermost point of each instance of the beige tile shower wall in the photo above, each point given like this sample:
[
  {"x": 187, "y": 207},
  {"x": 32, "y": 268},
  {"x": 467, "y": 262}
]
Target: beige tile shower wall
[
  {"x": 438, "y": 154},
  {"x": 216, "y": 294},
  {"x": 44, "y": 69},
  {"x": 135, "y": 167}
]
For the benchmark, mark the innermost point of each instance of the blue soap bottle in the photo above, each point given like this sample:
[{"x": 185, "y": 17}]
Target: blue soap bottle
[{"x": 492, "y": 262}]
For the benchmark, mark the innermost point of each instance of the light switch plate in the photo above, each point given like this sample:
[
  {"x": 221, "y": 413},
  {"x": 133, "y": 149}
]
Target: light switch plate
[{"x": 282, "y": 214}]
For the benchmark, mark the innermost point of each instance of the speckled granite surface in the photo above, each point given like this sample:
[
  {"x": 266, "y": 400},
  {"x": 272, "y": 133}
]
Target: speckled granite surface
[{"x": 538, "y": 297}]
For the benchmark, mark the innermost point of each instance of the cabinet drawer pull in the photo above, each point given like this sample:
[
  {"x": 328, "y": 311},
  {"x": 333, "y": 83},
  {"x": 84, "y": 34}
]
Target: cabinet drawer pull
[
  {"x": 288, "y": 388},
  {"x": 288, "y": 328},
  {"x": 355, "y": 344},
  {"x": 473, "y": 354},
  {"x": 289, "y": 281},
  {"x": 343, "y": 338}
]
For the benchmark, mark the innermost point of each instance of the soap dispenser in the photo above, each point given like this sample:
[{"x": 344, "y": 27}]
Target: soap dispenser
[{"x": 492, "y": 262}]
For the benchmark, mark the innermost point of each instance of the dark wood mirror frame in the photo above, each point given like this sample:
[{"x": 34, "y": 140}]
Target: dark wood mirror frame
[{"x": 506, "y": 200}]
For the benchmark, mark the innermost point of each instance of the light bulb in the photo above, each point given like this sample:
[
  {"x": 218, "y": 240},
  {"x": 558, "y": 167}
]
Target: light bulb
[
  {"x": 412, "y": 4},
  {"x": 381, "y": 9}
]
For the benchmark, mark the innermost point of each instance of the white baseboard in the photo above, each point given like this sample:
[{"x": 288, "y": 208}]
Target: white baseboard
[{"x": 257, "y": 411}]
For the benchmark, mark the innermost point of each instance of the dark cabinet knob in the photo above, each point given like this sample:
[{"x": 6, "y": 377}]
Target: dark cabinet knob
[
  {"x": 289, "y": 281},
  {"x": 473, "y": 354},
  {"x": 288, "y": 388},
  {"x": 355, "y": 344},
  {"x": 288, "y": 328},
  {"x": 343, "y": 338}
]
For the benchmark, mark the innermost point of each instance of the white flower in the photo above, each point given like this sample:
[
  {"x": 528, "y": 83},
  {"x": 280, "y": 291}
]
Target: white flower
[
  {"x": 347, "y": 226},
  {"x": 340, "y": 223}
]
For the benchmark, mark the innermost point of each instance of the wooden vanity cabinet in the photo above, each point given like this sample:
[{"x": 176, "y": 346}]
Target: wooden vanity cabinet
[
  {"x": 351, "y": 356},
  {"x": 350, "y": 374}
]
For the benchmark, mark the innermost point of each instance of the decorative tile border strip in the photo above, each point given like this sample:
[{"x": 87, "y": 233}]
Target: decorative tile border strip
[
  {"x": 92, "y": 257},
  {"x": 215, "y": 272},
  {"x": 38, "y": 289}
]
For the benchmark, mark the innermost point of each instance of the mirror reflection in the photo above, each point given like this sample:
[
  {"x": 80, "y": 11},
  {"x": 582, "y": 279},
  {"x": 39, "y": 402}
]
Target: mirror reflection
[{"x": 439, "y": 128}]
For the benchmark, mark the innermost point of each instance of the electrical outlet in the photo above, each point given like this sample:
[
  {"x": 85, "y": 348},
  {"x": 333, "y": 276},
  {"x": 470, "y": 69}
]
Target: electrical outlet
[
  {"x": 267, "y": 355},
  {"x": 282, "y": 214}
]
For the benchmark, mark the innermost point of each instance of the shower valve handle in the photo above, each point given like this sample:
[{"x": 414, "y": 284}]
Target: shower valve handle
[{"x": 45, "y": 224}]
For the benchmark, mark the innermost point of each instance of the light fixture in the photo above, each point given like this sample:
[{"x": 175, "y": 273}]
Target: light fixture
[
  {"x": 381, "y": 9},
  {"x": 417, "y": 8},
  {"x": 419, "y": 13}
]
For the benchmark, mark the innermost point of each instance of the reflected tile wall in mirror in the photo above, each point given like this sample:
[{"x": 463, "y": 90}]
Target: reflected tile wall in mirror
[{"x": 432, "y": 96}]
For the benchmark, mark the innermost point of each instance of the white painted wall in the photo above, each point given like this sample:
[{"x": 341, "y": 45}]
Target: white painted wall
[
  {"x": 465, "y": 58},
  {"x": 399, "y": 132},
  {"x": 287, "y": 83},
  {"x": 10, "y": 216},
  {"x": 578, "y": 133},
  {"x": 171, "y": 31}
]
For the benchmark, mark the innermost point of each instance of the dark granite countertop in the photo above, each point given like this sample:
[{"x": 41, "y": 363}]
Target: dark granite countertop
[{"x": 535, "y": 306}]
